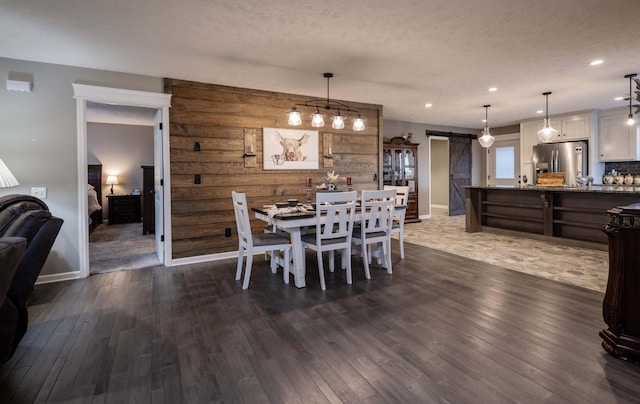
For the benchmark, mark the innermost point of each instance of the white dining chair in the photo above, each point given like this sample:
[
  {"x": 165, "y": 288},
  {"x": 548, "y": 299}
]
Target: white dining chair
[
  {"x": 335, "y": 212},
  {"x": 257, "y": 243},
  {"x": 375, "y": 226},
  {"x": 402, "y": 197}
]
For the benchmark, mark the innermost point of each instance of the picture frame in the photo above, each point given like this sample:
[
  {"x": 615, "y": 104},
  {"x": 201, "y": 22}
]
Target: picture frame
[{"x": 290, "y": 149}]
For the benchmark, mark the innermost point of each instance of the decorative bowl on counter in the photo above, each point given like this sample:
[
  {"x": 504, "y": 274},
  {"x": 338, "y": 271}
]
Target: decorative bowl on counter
[
  {"x": 292, "y": 202},
  {"x": 628, "y": 179},
  {"x": 607, "y": 179}
]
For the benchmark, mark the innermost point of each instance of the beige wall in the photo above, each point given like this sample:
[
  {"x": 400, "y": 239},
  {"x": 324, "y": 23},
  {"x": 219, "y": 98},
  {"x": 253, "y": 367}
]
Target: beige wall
[{"x": 440, "y": 172}]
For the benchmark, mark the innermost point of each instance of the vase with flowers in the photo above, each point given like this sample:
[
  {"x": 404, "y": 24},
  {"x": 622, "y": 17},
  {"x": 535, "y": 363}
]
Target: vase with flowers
[{"x": 332, "y": 181}]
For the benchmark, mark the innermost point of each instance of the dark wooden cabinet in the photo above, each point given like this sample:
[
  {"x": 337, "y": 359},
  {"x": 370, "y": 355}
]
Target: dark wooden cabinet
[
  {"x": 621, "y": 305},
  {"x": 400, "y": 168},
  {"x": 148, "y": 201},
  {"x": 124, "y": 209}
]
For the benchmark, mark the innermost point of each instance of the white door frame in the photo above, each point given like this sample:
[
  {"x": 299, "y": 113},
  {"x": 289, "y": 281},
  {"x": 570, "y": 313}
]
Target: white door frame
[
  {"x": 438, "y": 138},
  {"x": 83, "y": 93},
  {"x": 491, "y": 155}
]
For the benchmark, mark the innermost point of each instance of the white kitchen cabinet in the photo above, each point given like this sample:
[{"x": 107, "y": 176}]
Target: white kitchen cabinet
[
  {"x": 574, "y": 127},
  {"x": 570, "y": 127},
  {"x": 618, "y": 141}
]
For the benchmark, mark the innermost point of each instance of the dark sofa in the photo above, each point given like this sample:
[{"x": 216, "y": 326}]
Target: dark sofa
[{"x": 27, "y": 217}]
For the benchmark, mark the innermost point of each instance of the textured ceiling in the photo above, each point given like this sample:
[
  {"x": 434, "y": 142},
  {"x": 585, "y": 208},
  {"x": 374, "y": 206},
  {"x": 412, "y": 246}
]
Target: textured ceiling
[{"x": 399, "y": 54}]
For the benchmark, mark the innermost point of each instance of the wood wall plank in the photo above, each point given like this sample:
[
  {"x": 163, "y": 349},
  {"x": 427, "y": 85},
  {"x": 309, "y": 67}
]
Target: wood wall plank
[{"x": 217, "y": 117}]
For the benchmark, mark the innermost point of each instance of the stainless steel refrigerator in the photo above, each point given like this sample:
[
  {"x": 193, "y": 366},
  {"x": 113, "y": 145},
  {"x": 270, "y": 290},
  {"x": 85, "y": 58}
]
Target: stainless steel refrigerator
[{"x": 570, "y": 158}]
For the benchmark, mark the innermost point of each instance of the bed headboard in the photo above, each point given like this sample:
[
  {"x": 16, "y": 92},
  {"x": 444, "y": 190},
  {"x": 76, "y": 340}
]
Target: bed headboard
[{"x": 95, "y": 178}]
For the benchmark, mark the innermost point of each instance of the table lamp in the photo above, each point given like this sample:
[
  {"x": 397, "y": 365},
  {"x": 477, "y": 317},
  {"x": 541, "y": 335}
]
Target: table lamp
[
  {"x": 7, "y": 179},
  {"x": 111, "y": 180}
]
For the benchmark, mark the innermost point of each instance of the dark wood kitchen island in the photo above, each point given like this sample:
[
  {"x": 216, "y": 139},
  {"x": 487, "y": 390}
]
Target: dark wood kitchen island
[{"x": 571, "y": 216}]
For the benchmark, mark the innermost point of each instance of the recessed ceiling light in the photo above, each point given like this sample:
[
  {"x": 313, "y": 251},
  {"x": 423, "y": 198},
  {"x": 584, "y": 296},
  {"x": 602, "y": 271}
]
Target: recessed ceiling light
[
  {"x": 484, "y": 120},
  {"x": 492, "y": 89},
  {"x": 596, "y": 62},
  {"x": 539, "y": 111},
  {"x": 428, "y": 105},
  {"x": 618, "y": 99}
]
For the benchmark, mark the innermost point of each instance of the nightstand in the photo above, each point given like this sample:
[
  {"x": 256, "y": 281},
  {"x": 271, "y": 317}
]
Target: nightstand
[{"x": 124, "y": 208}]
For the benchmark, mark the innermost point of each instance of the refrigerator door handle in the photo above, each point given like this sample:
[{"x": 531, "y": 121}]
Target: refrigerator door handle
[{"x": 553, "y": 161}]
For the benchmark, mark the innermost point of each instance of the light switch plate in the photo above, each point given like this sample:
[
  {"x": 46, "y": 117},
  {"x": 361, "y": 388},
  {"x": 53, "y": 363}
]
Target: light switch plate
[{"x": 39, "y": 192}]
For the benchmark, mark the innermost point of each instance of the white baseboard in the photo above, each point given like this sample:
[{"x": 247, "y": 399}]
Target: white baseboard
[
  {"x": 68, "y": 276},
  {"x": 422, "y": 217},
  {"x": 440, "y": 206},
  {"x": 203, "y": 258},
  {"x": 65, "y": 276}
]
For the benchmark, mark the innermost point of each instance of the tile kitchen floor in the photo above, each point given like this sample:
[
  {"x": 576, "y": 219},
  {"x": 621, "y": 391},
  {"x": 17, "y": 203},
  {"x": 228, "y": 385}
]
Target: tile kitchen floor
[{"x": 572, "y": 265}]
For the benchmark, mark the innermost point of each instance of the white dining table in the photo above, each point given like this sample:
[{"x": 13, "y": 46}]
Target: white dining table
[{"x": 293, "y": 223}]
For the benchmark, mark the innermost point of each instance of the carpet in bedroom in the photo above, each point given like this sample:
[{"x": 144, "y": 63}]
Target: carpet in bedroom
[{"x": 120, "y": 247}]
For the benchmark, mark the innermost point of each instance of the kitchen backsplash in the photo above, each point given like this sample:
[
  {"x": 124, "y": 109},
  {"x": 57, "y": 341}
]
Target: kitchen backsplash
[{"x": 623, "y": 167}]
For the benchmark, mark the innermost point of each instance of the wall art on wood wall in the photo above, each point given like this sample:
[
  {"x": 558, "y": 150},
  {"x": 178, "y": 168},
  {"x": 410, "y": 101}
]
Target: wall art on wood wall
[{"x": 290, "y": 149}]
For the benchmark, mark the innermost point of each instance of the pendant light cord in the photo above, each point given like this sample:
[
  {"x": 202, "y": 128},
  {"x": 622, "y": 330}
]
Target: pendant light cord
[{"x": 630, "y": 78}]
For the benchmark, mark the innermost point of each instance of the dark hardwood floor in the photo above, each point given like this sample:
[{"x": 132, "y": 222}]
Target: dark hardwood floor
[{"x": 442, "y": 328}]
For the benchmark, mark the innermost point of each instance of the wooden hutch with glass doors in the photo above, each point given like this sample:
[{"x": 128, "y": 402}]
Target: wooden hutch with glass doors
[{"x": 400, "y": 168}]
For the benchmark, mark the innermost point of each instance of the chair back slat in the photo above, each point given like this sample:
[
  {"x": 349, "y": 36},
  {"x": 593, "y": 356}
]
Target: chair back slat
[
  {"x": 242, "y": 218},
  {"x": 402, "y": 194},
  {"x": 336, "y": 210},
  {"x": 377, "y": 210}
]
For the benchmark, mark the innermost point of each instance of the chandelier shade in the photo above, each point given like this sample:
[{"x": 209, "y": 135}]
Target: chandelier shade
[
  {"x": 486, "y": 140},
  {"x": 547, "y": 133},
  {"x": 317, "y": 118}
]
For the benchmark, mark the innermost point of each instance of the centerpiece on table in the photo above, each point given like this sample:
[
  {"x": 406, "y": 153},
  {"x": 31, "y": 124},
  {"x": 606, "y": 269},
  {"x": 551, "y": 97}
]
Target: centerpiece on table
[{"x": 331, "y": 182}]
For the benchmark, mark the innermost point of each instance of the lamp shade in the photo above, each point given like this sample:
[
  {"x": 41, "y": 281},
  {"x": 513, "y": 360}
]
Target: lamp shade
[
  {"x": 547, "y": 133},
  {"x": 6, "y": 177},
  {"x": 358, "y": 124},
  {"x": 112, "y": 180},
  {"x": 317, "y": 120},
  {"x": 338, "y": 122},
  {"x": 486, "y": 140},
  {"x": 294, "y": 117}
]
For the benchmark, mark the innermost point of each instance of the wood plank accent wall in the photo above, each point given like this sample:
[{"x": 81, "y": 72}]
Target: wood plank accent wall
[{"x": 218, "y": 118}]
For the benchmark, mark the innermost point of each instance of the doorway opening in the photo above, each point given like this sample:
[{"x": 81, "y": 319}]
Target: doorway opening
[
  {"x": 439, "y": 176},
  {"x": 159, "y": 102},
  {"x": 120, "y": 145}
]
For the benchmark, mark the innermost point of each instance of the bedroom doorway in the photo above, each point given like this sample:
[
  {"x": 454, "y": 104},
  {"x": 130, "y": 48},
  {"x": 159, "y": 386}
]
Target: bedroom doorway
[
  {"x": 119, "y": 97},
  {"x": 120, "y": 142}
]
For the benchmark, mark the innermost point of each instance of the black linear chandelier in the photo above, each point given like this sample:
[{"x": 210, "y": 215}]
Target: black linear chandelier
[{"x": 317, "y": 118}]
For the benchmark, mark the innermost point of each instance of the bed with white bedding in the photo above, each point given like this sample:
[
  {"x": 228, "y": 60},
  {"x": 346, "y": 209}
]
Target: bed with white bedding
[{"x": 94, "y": 195}]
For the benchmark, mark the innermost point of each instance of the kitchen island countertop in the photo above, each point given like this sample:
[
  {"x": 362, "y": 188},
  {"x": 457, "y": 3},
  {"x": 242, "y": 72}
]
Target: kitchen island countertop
[{"x": 627, "y": 189}]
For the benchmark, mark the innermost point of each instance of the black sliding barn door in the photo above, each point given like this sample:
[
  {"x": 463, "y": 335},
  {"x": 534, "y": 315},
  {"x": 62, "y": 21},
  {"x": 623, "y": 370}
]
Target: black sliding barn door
[{"x": 459, "y": 172}]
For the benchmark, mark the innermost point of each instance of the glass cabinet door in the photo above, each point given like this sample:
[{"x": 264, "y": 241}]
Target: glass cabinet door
[
  {"x": 387, "y": 167},
  {"x": 398, "y": 168},
  {"x": 409, "y": 164}
]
